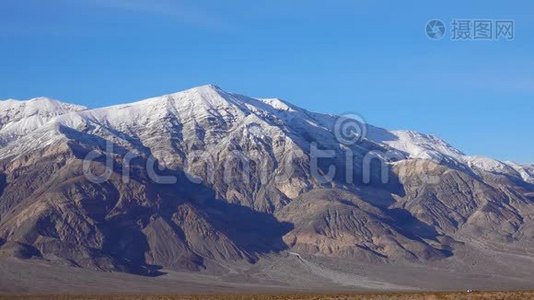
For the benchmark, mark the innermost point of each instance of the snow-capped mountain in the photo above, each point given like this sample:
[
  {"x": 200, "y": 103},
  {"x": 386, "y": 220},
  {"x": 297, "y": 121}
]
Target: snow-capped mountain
[
  {"x": 246, "y": 185},
  {"x": 40, "y": 116},
  {"x": 18, "y": 118}
]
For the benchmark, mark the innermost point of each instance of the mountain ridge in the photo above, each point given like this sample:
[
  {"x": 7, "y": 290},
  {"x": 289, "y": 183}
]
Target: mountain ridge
[
  {"x": 413, "y": 143},
  {"x": 209, "y": 181}
]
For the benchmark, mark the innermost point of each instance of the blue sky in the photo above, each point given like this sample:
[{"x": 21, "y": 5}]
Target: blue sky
[{"x": 370, "y": 57}]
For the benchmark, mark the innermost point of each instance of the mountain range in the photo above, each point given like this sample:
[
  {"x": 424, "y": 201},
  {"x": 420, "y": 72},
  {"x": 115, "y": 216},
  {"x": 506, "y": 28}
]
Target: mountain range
[{"x": 214, "y": 183}]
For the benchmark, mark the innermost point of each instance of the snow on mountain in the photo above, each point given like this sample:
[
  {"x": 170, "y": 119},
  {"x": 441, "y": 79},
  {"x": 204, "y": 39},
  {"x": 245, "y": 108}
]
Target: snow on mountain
[
  {"x": 37, "y": 109},
  {"x": 200, "y": 108},
  {"x": 489, "y": 165},
  {"x": 205, "y": 110},
  {"x": 526, "y": 171},
  {"x": 196, "y": 108},
  {"x": 420, "y": 146},
  {"x": 189, "y": 106},
  {"x": 424, "y": 146},
  {"x": 278, "y": 104},
  {"x": 18, "y": 118}
]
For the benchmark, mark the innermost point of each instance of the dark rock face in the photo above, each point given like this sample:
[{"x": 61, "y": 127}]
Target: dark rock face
[
  {"x": 136, "y": 227},
  {"x": 243, "y": 187}
]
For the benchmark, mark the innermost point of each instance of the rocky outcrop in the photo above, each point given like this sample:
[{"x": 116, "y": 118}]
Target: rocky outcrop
[{"x": 243, "y": 184}]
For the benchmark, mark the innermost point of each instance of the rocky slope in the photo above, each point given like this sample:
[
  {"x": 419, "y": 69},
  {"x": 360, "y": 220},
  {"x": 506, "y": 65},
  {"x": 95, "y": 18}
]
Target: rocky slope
[{"x": 206, "y": 180}]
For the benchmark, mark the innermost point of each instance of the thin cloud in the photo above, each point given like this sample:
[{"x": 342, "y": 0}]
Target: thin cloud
[{"x": 173, "y": 9}]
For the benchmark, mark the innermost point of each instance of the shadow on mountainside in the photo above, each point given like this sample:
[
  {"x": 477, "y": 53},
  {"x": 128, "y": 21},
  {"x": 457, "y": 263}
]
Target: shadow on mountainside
[{"x": 254, "y": 233}]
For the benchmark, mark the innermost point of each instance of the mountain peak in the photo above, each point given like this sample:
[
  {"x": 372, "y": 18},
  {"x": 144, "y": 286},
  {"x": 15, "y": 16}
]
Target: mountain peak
[
  {"x": 38, "y": 105},
  {"x": 202, "y": 89},
  {"x": 260, "y": 189},
  {"x": 204, "y": 97},
  {"x": 41, "y": 103},
  {"x": 21, "y": 116}
]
